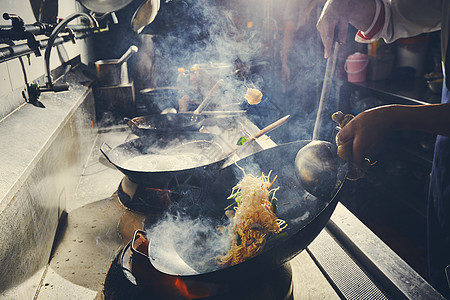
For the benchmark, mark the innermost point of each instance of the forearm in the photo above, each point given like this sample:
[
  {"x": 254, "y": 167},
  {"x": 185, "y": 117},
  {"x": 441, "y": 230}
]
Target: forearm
[{"x": 432, "y": 118}]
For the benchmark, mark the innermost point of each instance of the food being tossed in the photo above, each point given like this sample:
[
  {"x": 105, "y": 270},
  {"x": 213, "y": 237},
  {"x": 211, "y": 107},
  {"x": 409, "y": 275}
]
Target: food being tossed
[
  {"x": 253, "y": 218},
  {"x": 253, "y": 96}
]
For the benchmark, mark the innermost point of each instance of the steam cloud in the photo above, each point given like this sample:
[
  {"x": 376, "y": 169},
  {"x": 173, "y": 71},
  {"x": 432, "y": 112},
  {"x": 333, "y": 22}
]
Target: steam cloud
[{"x": 183, "y": 245}]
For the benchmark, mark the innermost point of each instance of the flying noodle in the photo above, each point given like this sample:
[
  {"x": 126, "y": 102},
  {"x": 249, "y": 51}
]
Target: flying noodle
[{"x": 254, "y": 218}]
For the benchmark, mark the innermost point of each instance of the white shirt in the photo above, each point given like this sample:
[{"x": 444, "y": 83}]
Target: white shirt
[{"x": 407, "y": 18}]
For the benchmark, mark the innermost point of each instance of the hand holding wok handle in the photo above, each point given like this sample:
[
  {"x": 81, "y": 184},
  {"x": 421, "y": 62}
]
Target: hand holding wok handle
[
  {"x": 208, "y": 99},
  {"x": 258, "y": 134},
  {"x": 345, "y": 150}
]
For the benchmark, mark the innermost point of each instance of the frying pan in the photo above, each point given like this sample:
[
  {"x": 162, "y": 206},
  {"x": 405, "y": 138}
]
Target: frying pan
[
  {"x": 306, "y": 215},
  {"x": 206, "y": 147}
]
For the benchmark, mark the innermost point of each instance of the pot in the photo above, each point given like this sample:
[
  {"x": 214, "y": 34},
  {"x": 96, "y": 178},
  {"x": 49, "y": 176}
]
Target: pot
[
  {"x": 305, "y": 214},
  {"x": 114, "y": 72}
]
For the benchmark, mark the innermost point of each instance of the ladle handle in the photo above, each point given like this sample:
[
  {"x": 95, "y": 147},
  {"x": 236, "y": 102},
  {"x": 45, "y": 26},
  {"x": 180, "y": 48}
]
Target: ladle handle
[
  {"x": 208, "y": 98},
  {"x": 139, "y": 234},
  {"x": 258, "y": 134},
  {"x": 326, "y": 88},
  {"x": 133, "y": 49}
]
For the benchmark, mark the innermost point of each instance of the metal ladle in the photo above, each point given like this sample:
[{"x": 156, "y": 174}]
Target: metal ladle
[{"x": 317, "y": 164}]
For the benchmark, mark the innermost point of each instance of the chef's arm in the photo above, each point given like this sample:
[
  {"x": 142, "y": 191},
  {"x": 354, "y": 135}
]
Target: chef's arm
[
  {"x": 375, "y": 19},
  {"x": 432, "y": 118},
  {"x": 369, "y": 130}
]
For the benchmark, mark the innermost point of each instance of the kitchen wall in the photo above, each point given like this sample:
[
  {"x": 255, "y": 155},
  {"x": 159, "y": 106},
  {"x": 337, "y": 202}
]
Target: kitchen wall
[
  {"x": 11, "y": 77},
  {"x": 42, "y": 153}
]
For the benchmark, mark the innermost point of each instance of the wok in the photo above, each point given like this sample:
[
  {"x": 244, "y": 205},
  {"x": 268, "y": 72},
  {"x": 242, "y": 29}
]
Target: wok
[
  {"x": 201, "y": 150},
  {"x": 169, "y": 122},
  {"x": 306, "y": 215},
  {"x": 185, "y": 121}
]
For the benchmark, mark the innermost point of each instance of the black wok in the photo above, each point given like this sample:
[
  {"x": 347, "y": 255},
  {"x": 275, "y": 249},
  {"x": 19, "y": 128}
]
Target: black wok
[
  {"x": 305, "y": 214},
  {"x": 169, "y": 122},
  {"x": 203, "y": 149}
]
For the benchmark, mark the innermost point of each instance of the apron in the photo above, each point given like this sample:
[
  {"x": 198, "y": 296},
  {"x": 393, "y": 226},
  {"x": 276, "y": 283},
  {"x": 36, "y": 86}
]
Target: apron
[{"x": 439, "y": 210}]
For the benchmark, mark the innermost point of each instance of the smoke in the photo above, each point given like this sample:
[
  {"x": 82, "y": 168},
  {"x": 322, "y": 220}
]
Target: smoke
[{"x": 186, "y": 246}]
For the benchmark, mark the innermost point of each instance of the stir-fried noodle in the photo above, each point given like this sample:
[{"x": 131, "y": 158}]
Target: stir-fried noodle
[{"x": 254, "y": 218}]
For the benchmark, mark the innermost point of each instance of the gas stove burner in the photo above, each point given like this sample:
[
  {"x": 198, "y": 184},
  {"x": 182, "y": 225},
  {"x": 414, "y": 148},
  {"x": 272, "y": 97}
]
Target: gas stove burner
[
  {"x": 132, "y": 277},
  {"x": 185, "y": 187},
  {"x": 183, "y": 192},
  {"x": 143, "y": 199}
]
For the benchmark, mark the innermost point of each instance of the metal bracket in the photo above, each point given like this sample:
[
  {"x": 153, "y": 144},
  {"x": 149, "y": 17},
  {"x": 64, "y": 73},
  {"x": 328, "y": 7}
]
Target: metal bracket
[{"x": 33, "y": 92}]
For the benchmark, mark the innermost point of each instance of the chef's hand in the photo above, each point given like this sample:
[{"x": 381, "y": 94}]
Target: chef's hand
[
  {"x": 367, "y": 133},
  {"x": 337, "y": 14}
]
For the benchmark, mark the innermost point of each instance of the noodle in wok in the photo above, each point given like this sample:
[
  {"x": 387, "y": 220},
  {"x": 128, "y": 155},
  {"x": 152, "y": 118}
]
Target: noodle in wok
[{"x": 254, "y": 218}]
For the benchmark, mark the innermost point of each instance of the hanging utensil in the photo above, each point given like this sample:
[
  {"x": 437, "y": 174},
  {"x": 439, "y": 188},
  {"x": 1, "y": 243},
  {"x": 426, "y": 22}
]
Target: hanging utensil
[{"x": 144, "y": 15}]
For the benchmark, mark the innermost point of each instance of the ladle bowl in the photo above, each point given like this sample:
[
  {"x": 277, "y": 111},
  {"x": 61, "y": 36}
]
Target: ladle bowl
[{"x": 317, "y": 165}]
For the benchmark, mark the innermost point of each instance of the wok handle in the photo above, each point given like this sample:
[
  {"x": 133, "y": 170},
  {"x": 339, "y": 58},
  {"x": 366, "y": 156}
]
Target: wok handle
[
  {"x": 129, "y": 122},
  {"x": 258, "y": 134},
  {"x": 269, "y": 128},
  {"x": 139, "y": 234},
  {"x": 104, "y": 152}
]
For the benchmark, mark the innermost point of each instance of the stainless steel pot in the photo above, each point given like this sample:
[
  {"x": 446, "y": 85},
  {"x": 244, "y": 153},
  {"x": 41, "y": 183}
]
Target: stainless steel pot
[{"x": 114, "y": 72}]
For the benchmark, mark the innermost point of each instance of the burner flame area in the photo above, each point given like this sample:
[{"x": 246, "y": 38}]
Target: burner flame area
[
  {"x": 194, "y": 291},
  {"x": 181, "y": 189}
]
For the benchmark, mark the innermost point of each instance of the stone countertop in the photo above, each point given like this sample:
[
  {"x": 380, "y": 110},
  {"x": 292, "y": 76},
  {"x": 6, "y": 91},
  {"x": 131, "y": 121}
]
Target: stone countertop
[{"x": 26, "y": 132}]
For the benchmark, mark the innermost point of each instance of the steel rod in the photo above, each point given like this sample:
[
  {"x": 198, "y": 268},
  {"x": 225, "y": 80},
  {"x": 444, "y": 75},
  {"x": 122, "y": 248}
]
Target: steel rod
[
  {"x": 326, "y": 88},
  {"x": 12, "y": 52}
]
